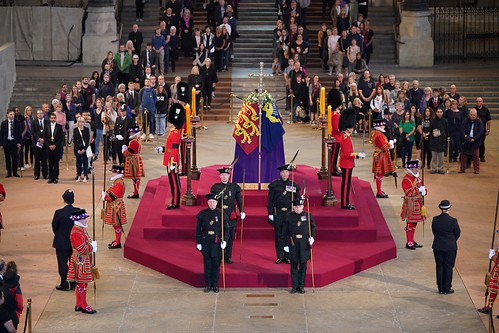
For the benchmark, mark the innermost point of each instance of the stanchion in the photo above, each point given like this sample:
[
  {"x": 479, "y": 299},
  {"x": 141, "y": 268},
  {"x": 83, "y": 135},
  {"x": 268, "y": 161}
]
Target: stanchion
[
  {"x": 370, "y": 113},
  {"x": 28, "y": 313},
  {"x": 329, "y": 198},
  {"x": 67, "y": 151},
  {"x": 290, "y": 121},
  {"x": 323, "y": 171},
  {"x": 201, "y": 111},
  {"x": 231, "y": 109},
  {"x": 195, "y": 174},
  {"x": 448, "y": 155},
  {"x": 148, "y": 129},
  {"x": 188, "y": 199}
]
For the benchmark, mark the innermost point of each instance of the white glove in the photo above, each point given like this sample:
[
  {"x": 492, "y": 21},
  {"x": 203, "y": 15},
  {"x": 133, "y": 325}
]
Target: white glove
[
  {"x": 243, "y": 215},
  {"x": 94, "y": 246},
  {"x": 362, "y": 155},
  {"x": 391, "y": 143},
  {"x": 311, "y": 241},
  {"x": 422, "y": 190},
  {"x": 491, "y": 253},
  {"x": 199, "y": 247},
  {"x": 173, "y": 166},
  {"x": 103, "y": 195},
  {"x": 394, "y": 141},
  {"x": 286, "y": 249},
  {"x": 271, "y": 217},
  {"x": 223, "y": 245},
  {"x": 119, "y": 137},
  {"x": 158, "y": 149},
  {"x": 124, "y": 148}
]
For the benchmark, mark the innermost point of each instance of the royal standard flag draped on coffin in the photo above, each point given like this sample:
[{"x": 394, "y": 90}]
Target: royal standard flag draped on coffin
[{"x": 246, "y": 132}]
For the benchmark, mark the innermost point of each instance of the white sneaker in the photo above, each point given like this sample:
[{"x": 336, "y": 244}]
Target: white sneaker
[
  {"x": 22, "y": 168},
  {"x": 27, "y": 166},
  {"x": 143, "y": 136},
  {"x": 85, "y": 179},
  {"x": 78, "y": 180},
  {"x": 151, "y": 136}
]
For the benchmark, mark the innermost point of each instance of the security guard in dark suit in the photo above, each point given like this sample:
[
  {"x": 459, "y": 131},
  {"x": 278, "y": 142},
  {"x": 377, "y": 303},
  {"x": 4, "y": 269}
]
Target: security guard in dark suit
[
  {"x": 281, "y": 192},
  {"x": 298, "y": 243},
  {"x": 446, "y": 231},
  {"x": 230, "y": 194},
  {"x": 61, "y": 226},
  {"x": 209, "y": 241}
]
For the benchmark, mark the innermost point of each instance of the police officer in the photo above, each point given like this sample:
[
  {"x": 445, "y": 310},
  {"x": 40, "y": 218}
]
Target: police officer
[
  {"x": 299, "y": 241},
  {"x": 281, "y": 193},
  {"x": 209, "y": 241},
  {"x": 230, "y": 194}
]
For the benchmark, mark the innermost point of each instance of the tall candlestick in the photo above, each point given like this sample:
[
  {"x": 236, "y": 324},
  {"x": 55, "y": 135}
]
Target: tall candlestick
[
  {"x": 329, "y": 120},
  {"x": 193, "y": 101},
  {"x": 188, "y": 119},
  {"x": 323, "y": 101}
]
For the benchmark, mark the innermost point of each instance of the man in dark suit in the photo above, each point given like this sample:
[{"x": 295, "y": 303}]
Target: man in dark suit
[
  {"x": 132, "y": 99},
  {"x": 121, "y": 130},
  {"x": 446, "y": 232},
  {"x": 54, "y": 137},
  {"x": 61, "y": 226},
  {"x": 10, "y": 136},
  {"x": 136, "y": 37},
  {"x": 149, "y": 58},
  {"x": 39, "y": 147}
]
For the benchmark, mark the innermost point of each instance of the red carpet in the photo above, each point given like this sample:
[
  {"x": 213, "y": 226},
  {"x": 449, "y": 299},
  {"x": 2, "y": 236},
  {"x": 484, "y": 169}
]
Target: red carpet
[{"x": 347, "y": 242}]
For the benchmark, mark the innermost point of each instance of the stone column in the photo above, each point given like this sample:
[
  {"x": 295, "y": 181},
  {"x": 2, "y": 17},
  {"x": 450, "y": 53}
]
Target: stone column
[
  {"x": 100, "y": 31},
  {"x": 415, "y": 33}
]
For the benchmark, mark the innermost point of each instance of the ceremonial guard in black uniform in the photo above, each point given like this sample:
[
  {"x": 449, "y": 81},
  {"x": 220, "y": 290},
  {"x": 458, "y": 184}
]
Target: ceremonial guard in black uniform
[
  {"x": 209, "y": 241},
  {"x": 281, "y": 192},
  {"x": 230, "y": 194},
  {"x": 298, "y": 243}
]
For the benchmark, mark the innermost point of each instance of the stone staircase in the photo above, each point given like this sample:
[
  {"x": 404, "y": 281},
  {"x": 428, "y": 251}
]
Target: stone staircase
[{"x": 255, "y": 25}]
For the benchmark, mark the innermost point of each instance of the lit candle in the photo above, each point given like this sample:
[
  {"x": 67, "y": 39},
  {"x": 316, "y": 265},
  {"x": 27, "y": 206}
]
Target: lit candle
[
  {"x": 323, "y": 101},
  {"x": 329, "y": 120},
  {"x": 188, "y": 119},
  {"x": 193, "y": 102}
]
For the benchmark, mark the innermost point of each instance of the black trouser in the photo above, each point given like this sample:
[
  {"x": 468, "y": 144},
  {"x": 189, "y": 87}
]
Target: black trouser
[
  {"x": 336, "y": 153},
  {"x": 230, "y": 241},
  {"x": 63, "y": 256},
  {"x": 11, "y": 156},
  {"x": 444, "y": 261},
  {"x": 207, "y": 95},
  {"x": 117, "y": 148},
  {"x": 298, "y": 273},
  {"x": 426, "y": 154},
  {"x": 346, "y": 181},
  {"x": 53, "y": 161},
  {"x": 40, "y": 160},
  {"x": 139, "y": 9},
  {"x": 211, "y": 270},
  {"x": 278, "y": 236},
  {"x": 174, "y": 180}
]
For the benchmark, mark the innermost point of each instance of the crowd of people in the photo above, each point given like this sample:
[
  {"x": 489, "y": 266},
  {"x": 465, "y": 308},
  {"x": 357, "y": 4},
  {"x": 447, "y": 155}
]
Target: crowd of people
[{"x": 11, "y": 297}]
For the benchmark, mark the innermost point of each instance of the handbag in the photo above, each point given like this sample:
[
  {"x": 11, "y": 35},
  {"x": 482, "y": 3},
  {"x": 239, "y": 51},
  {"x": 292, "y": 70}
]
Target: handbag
[
  {"x": 436, "y": 133},
  {"x": 89, "y": 152},
  {"x": 300, "y": 112}
]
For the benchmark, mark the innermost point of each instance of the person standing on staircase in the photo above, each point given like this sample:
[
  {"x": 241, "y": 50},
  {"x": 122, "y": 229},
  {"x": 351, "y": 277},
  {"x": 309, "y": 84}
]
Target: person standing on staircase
[{"x": 210, "y": 79}]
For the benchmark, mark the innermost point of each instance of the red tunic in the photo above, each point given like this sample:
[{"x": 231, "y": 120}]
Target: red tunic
[
  {"x": 172, "y": 148},
  {"x": 115, "y": 207},
  {"x": 80, "y": 264},
  {"x": 413, "y": 202},
  {"x": 335, "y": 120},
  {"x": 347, "y": 160},
  {"x": 134, "y": 166},
  {"x": 494, "y": 277},
  {"x": 381, "y": 159}
]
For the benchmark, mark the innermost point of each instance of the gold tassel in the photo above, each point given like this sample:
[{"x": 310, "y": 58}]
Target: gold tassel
[{"x": 95, "y": 273}]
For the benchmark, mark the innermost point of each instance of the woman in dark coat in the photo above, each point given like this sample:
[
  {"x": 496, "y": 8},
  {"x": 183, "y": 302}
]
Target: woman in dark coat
[{"x": 186, "y": 30}]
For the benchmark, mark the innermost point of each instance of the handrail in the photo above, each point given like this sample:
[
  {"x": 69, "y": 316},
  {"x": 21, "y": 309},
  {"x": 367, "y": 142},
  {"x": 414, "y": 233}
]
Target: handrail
[{"x": 397, "y": 9}]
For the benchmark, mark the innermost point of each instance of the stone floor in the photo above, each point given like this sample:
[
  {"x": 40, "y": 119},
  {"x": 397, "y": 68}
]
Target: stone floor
[{"x": 397, "y": 296}]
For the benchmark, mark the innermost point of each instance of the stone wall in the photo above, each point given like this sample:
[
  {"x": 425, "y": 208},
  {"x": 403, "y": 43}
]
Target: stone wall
[{"x": 8, "y": 77}]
